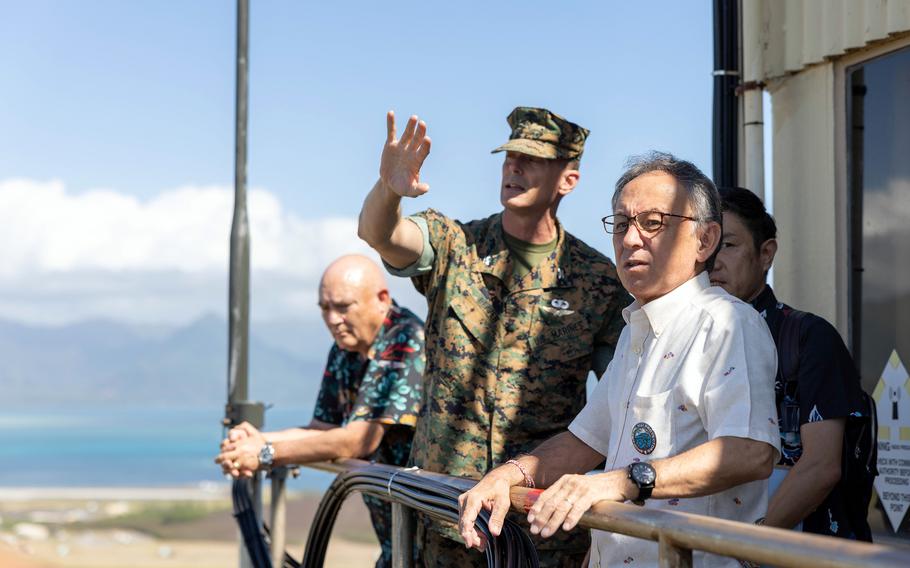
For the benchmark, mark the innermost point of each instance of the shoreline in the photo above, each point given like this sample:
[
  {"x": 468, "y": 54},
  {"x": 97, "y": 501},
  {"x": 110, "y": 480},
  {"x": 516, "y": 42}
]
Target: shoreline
[
  {"x": 181, "y": 493},
  {"x": 204, "y": 491}
]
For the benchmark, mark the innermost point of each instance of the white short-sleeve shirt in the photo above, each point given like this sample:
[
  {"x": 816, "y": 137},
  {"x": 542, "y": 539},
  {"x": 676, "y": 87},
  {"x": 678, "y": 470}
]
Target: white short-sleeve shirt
[{"x": 693, "y": 365}]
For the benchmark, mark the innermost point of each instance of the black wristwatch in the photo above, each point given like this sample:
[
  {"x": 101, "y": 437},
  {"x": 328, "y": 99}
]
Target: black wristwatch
[{"x": 643, "y": 475}]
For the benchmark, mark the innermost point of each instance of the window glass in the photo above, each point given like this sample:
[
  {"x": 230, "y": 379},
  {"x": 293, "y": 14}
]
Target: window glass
[{"x": 879, "y": 176}]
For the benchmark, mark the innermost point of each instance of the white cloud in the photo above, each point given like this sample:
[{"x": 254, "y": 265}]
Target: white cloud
[
  {"x": 107, "y": 254},
  {"x": 184, "y": 229},
  {"x": 887, "y": 211},
  {"x": 886, "y": 232}
]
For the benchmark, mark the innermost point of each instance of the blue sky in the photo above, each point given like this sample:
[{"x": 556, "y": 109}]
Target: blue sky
[{"x": 121, "y": 114}]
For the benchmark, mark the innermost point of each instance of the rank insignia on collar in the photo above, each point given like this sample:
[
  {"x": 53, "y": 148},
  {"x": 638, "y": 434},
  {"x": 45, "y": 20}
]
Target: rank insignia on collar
[
  {"x": 643, "y": 438},
  {"x": 559, "y": 304}
]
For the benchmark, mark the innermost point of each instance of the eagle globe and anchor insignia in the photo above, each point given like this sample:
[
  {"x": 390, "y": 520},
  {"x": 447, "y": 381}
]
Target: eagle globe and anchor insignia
[{"x": 643, "y": 438}]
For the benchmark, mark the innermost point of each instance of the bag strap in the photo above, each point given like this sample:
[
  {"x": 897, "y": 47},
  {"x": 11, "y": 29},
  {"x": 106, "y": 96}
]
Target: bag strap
[
  {"x": 871, "y": 464},
  {"x": 788, "y": 349}
]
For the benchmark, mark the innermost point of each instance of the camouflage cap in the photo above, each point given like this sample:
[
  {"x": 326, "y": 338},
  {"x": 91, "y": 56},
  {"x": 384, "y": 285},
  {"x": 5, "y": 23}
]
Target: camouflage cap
[{"x": 539, "y": 132}]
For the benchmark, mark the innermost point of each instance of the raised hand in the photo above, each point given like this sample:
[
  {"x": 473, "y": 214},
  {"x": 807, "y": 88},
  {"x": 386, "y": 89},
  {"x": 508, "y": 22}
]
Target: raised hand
[{"x": 402, "y": 158}]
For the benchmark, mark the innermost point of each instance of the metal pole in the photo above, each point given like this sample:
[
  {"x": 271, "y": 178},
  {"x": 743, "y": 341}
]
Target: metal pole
[
  {"x": 726, "y": 78},
  {"x": 672, "y": 556},
  {"x": 238, "y": 408},
  {"x": 279, "y": 477},
  {"x": 402, "y": 536},
  {"x": 753, "y": 176},
  {"x": 855, "y": 152},
  {"x": 239, "y": 295}
]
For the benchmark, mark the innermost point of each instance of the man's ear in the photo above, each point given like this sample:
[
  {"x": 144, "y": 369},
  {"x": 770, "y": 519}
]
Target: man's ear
[
  {"x": 384, "y": 298},
  {"x": 766, "y": 253},
  {"x": 709, "y": 235},
  {"x": 568, "y": 181}
]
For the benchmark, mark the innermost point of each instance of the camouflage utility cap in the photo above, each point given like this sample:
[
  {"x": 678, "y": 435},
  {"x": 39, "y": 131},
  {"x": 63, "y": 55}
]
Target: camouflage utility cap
[{"x": 544, "y": 134}]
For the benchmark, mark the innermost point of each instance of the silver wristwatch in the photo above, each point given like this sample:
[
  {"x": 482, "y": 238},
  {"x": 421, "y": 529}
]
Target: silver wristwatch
[{"x": 266, "y": 455}]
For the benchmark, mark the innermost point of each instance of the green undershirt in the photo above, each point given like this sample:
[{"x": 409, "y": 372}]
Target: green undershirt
[{"x": 525, "y": 255}]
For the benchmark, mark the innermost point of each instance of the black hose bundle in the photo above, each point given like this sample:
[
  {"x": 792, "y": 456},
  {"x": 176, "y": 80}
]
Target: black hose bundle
[
  {"x": 512, "y": 549},
  {"x": 255, "y": 541},
  {"x": 417, "y": 490}
]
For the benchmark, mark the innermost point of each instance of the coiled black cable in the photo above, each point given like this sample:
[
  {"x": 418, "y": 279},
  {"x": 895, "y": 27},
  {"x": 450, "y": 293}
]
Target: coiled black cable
[
  {"x": 512, "y": 549},
  {"x": 418, "y": 491},
  {"x": 255, "y": 541}
]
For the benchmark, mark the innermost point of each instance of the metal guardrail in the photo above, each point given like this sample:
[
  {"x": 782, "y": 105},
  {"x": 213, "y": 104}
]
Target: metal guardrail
[{"x": 677, "y": 534}]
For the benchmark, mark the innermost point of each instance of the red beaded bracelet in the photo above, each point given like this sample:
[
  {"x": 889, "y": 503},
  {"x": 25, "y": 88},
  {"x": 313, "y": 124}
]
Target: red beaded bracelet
[{"x": 529, "y": 481}]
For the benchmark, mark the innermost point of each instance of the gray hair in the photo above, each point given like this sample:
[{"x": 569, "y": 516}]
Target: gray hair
[{"x": 703, "y": 195}]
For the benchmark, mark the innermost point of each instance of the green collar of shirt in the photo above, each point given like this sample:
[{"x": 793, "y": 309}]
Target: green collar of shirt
[{"x": 525, "y": 255}]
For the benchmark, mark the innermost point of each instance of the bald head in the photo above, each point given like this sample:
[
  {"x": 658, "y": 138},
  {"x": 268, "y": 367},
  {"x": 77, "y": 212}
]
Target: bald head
[
  {"x": 354, "y": 300},
  {"x": 354, "y": 270}
]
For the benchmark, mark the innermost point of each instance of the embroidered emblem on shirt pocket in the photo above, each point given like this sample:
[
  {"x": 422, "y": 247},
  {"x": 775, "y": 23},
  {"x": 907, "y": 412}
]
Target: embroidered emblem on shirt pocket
[{"x": 643, "y": 438}]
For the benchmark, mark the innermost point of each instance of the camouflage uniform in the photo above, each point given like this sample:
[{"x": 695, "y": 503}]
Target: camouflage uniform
[
  {"x": 385, "y": 388},
  {"x": 507, "y": 358}
]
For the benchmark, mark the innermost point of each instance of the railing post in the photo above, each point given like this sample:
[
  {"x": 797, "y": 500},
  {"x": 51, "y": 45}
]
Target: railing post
[
  {"x": 671, "y": 555},
  {"x": 402, "y": 536},
  {"x": 279, "y": 476}
]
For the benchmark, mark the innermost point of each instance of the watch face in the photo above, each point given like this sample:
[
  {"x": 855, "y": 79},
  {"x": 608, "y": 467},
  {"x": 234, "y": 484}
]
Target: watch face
[
  {"x": 266, "y": 455},
  {"x": 643, "y": 473}
]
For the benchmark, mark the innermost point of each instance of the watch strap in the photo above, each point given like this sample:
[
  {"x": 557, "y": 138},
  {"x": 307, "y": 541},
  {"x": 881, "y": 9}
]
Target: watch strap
[{"x": 644, "y": 492}]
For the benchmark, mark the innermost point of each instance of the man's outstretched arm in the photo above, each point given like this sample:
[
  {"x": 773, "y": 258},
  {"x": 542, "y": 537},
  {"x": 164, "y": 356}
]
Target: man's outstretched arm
[
  {"x": 355, "y": 440},
  {"x": 244, "y": 430},
  {"x": 311, "y": 429},
  {"x": 398, "y": 241},
  {"x": 709, "y": 468}
]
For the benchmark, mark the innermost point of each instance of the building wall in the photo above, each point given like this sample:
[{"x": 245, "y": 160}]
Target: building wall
[
  {"x": 806, "y": 271},
  {"x": 799, "y": 52},
  {"x": 799, "y": 33}
]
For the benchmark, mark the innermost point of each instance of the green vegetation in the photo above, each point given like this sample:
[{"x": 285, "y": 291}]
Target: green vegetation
[{"x": 158, "y": 519}]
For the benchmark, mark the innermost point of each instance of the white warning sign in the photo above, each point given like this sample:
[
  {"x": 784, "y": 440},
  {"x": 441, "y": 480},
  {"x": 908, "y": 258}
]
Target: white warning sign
[{"x": 892, "y": 396}]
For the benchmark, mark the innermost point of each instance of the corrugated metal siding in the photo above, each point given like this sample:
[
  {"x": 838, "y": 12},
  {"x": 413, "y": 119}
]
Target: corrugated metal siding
[{"x": 799, "y": 33}]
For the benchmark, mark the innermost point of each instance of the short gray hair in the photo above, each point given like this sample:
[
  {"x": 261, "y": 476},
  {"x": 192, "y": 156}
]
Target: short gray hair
[{"x": 703, "y": 195}]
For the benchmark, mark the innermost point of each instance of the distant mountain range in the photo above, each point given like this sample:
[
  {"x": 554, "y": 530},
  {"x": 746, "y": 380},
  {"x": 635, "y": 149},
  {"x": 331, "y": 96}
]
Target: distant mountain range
[{"x": 105, "y": 362}]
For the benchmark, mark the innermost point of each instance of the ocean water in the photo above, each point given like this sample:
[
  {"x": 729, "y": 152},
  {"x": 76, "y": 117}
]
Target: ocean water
[{"x": 111, "y": 446}]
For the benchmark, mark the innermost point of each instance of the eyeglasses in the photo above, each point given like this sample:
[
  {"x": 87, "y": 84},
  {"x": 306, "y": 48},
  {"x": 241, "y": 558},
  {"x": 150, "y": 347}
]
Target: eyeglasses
[{"x": 648, "y": 222}]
